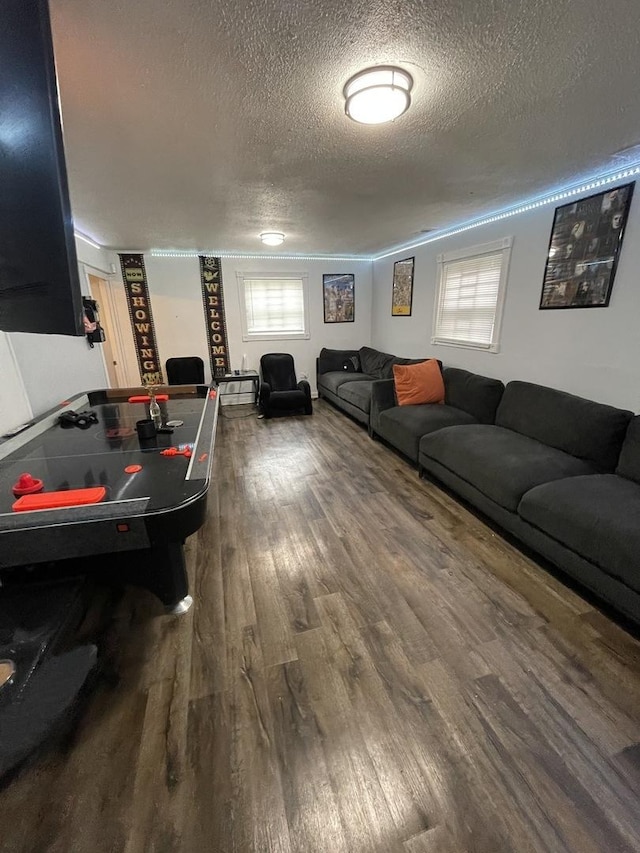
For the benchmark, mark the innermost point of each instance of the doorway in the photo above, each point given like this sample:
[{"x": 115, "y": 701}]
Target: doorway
[{"x": 118, "y": 351}]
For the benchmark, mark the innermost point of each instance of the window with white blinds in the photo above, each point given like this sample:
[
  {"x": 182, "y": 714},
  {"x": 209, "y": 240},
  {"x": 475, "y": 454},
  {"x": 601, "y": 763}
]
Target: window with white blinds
[
  {"x": 471, "y": 288},
  {"x": 273, "y": 307}
]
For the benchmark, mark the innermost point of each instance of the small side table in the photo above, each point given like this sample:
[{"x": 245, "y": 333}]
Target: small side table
[{"x": 243, "y": 376}]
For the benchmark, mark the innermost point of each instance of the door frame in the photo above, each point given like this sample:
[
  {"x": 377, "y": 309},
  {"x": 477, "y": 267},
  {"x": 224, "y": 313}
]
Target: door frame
[{"x": 115, "y": 332}]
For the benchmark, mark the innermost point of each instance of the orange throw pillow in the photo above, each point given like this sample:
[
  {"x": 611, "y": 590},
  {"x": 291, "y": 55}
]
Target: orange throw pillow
[{"x": 418, "y": 383}]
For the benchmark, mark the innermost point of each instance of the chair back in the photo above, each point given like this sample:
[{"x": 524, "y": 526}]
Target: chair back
[
  {"x": 278, "y": 369},
  {"x": 185, "y": 371}
]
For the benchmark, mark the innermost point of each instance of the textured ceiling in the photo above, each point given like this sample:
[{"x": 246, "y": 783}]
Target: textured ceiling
[{"x": 194, "y": 124}]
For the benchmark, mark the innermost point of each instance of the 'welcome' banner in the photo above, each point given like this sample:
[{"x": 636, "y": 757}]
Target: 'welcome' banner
[
  {"x": 135, "y": 285},
  {"x": 213, "y": 301}
]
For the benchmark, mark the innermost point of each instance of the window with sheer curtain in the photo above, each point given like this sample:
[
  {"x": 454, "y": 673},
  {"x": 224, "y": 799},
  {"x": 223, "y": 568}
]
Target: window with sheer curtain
[
  {"x": 470, "y": 297},
  {"x": 273, "y": 307}
]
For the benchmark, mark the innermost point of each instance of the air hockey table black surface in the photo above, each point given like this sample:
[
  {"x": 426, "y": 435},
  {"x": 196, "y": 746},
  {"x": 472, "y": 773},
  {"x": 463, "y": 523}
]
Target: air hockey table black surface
[{"x": 147, "y": 512}]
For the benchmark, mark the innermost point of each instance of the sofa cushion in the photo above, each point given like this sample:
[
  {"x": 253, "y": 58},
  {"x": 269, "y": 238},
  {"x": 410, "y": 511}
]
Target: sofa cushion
[
  {"x": 398, "y": 360},
  {"x": 500, "y": 463},
  {"x": 357, "y": 393},
  {"x": 333, "y": 359},
  {"x": 417, "y": 384},
  {"x": 629, "y": 462},
  {"x": 477, "y": 395},
  {"x": 351, "y": 364},
  {"x": 598, "y": 517},
  {"x": 588, "y": 430},
  {"x": 292, "y": 398},
  {"x": 376, "y": 363},
  {"x": 404, "y": 426},
  {"x": 332, "y": 381}
]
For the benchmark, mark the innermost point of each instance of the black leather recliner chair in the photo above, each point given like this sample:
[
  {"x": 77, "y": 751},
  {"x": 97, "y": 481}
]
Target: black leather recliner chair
[{"x": 279, "y": 390}]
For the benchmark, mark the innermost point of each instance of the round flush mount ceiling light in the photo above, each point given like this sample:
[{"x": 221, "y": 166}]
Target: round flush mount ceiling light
[
  {"x": 377, "y": 95},
  {"x": 272, "y": 238}
]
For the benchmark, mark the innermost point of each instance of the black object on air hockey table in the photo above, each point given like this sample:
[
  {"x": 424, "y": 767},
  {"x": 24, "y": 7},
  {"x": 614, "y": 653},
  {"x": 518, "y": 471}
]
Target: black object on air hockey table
[{"x": 125, "y": 503}]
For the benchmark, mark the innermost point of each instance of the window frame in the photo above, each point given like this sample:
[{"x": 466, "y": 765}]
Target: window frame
[
  {"x": 504, "y": 246},
  {"x": 278, "y": 335}
]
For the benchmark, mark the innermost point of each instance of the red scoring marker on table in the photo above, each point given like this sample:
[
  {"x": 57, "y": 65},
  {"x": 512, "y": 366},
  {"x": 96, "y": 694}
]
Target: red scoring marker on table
[
  {"x": 142, "y": 398},
  {"x": 173, "y": 451},
  {"x": 132, "y": 469},
  {"x": 58, "y": 500}
]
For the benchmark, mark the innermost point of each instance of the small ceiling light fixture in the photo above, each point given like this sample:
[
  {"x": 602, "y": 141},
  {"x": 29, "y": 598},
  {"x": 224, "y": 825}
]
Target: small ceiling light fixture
[
  {"x": 272, "y": 238},
  {"x": 377, "y": 95}
]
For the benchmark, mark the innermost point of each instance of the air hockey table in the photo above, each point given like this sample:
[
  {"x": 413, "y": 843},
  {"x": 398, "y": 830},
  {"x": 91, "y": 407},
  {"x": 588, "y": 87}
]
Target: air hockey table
[{"x": 150, "y": 501}]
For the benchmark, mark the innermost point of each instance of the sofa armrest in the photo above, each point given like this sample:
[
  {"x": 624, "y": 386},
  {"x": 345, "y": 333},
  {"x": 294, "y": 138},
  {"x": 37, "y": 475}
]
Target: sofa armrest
[
  {"x": 264, "y": 393},
  {"x": 383, "y": 396},
  {"x": 304, "y": 386}
]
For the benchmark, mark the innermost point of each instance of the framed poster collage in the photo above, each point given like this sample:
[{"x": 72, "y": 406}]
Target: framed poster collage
[{"x": 586, "y": 237}]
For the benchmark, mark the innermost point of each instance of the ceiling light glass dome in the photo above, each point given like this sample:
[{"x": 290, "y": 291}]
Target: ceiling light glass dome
[
  {"x": 272, "y": 238},
  {"x": 378, "y": 95}
]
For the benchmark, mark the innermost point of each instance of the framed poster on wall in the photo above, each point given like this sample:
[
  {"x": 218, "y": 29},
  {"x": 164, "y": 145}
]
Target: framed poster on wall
[
  {"x": 338, "y": 292},
  {"x": 402, "y": 289},
  {"x": 585, "y": 243}
]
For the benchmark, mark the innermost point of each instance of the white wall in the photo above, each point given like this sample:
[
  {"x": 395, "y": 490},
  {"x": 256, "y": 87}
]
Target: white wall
[
  {"x": 50, "y": 368},
  {"x": 14, "y": 405},
  {"x": 594, "y": 353},
  {"x": 176, "y": 302},
  {"x": 54, "y": 367}
]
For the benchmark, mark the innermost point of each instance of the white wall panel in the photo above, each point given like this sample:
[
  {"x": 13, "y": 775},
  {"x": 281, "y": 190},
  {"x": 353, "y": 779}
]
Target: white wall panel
[{"x": 14, "y": 405}]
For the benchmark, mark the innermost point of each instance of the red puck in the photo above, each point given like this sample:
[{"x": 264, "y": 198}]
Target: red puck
[
  {"x": 27, "y": 485},
  {"x": 132, "y": 469}
]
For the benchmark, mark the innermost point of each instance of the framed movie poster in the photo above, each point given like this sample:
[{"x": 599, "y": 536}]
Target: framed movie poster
[
  {"x": 402, "y": 291},
  {"x": 338, "y": 291},
  {"x": 583, "y": 250}
]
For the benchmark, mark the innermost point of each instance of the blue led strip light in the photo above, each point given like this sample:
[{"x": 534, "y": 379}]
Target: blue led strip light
[
  {"x": 187, "y": 253},
  {"x": 523, "y": 207},
  {"x": 586, "y": 185}
]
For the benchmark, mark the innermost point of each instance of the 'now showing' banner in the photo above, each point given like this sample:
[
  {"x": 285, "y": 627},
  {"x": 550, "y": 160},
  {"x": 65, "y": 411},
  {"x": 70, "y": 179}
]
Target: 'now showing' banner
[{"x": 144, "y": 334}]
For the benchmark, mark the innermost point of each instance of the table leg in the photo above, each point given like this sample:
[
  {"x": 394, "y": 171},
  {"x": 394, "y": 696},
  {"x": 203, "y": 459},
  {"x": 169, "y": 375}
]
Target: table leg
[{"x": 163, "y": 572}]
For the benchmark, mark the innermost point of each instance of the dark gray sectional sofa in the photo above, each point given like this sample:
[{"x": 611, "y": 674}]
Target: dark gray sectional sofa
[
  {"x": 345, "y": 377},
  {"x": 469, "y": 399},
  {"x": 560, "y": 473}
]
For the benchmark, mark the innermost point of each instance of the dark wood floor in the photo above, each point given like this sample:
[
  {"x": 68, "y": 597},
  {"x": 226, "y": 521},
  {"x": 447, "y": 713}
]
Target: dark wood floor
[{"x": 368, "y": 667}]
